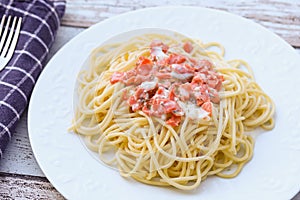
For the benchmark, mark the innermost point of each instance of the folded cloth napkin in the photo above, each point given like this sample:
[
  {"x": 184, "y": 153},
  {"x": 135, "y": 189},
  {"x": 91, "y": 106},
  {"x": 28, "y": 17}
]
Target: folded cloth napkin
[{"x": 41, "y": 19}]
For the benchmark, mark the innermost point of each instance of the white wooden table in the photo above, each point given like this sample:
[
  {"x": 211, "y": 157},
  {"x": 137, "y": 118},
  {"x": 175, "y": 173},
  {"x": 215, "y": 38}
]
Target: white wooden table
[{"x": 20, "y": 175}]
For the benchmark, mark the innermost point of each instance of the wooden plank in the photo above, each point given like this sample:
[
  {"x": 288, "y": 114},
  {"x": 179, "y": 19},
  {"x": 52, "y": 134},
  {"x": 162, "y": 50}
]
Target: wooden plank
[
  {"x": 18, "y": 157},
  {"x": 297, "y": 197},
  {"x": 26, "y": 187},
  {"x": 281, "y": 17},
  {"x": 64, "y": 35}
]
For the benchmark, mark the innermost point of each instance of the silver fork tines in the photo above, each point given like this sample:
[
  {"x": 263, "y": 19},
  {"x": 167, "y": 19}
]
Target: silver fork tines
[{"x": 8, "y": 42}]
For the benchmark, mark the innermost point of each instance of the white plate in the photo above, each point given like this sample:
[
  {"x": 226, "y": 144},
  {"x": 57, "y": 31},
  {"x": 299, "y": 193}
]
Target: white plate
[{"x": 274, "y": 171}]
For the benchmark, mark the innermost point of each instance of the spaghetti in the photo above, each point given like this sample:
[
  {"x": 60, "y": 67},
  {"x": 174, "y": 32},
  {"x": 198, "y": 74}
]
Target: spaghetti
[{"x": 170, "y": 110}]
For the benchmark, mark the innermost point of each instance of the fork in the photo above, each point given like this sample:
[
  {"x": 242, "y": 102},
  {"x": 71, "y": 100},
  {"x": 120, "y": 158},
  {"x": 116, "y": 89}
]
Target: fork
[{"x": 8, "y": 42}]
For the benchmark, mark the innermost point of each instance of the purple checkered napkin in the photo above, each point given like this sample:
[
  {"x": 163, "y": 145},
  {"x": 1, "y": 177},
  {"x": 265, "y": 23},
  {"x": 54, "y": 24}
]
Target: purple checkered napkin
[{"x": 41, "y": 19}]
